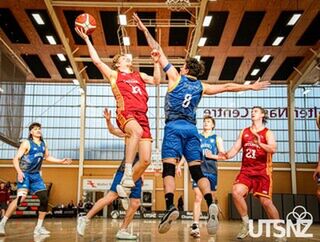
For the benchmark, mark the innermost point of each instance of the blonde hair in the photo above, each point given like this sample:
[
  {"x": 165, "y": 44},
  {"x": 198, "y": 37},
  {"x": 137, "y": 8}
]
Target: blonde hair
[{"x": 115, "y": 61}]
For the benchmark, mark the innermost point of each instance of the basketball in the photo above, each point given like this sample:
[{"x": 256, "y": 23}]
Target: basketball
[{"x": 86, "y": 22}]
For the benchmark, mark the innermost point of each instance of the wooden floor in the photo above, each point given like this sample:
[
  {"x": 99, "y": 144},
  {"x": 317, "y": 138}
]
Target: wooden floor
[{"x": 99, "y": 229}]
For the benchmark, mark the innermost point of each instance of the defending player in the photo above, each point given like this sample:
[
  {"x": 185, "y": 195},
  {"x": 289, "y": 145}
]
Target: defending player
[{"x": 27, "y": 163}]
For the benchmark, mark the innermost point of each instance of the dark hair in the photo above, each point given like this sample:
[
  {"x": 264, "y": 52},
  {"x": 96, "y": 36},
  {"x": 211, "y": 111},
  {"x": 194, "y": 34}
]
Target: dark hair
[
  {"x": 31, "y": 126},
  {"x": 265, "y": 112},
  {"x": 212, "y": 119},
  {"x": 195, "y": 67}
]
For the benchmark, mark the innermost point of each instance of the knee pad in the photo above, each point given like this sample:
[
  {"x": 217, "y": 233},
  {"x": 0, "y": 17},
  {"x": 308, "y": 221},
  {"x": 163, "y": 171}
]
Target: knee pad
[
  {"x": 168, "y": 170},
  {"x": 20, "y": 195},
  {"x": 196, "y": 172},
  {"x": 43, "y": 197}
]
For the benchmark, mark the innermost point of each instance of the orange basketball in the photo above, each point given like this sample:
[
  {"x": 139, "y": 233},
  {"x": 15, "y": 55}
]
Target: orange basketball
[{"x": 86, "y": 22}]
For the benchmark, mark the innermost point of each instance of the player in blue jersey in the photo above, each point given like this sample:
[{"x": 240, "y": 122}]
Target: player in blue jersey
[
  {"x": 135, "y": 195},
  {"x": 27, "y": 163},
  {"x": 180, "y": 133},
  {"x": 211, "y": 145}
]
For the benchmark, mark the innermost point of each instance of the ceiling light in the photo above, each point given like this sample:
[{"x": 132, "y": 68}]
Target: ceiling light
[
  {"x": 38, "y": 18},
  {"x": 306, "y": 91},
  {"x": 265, "y": 58},
  {"x": 75, "y": 82},
  {"x": 197, "y": 57},
  {"x": 255, "y": 72},
  {"x": 122, "y": 19},
  {"x": 61, "y": 57},
  {"x": 51, "y": 40},
  {"x": 246, "y": 82},
  {"x": 69, "y": 70},
  {"x": 277, "y": 41},
  {"x": 207, "y": 21},
  {"x": 295, "y": 17},
  {"x": 202, "y": 41},
  {"x": 126, "y": 41}
]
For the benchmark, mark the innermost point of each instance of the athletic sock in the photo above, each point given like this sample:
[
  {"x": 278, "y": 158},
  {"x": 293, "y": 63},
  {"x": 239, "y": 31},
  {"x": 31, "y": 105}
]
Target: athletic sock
[
  {"x": 208, "y": 198},
  {"x": 169, "y": 200},
  {"x": 4, "y": 220},
  {"x": 39, "y": 224},
  {"x": 245, "y": 219}
]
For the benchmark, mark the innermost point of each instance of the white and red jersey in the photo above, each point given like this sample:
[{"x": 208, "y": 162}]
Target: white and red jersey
[
  {"x": 255, "y": 160},
  {"x": 130, "y": 92}
]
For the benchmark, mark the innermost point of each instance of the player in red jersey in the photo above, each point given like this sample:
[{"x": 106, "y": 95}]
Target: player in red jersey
[
  {"x": 258, "y": 144},
  {"x": 316, "y": 174},
  {"x": 129, "y": 89}
]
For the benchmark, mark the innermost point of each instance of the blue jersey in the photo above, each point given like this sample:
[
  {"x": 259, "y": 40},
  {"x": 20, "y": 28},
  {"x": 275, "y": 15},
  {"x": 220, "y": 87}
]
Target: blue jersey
[
  {"x": 183, "y": 100},
  {"x": 209, "y": 143},
  {"x": 32, "y": 161}
]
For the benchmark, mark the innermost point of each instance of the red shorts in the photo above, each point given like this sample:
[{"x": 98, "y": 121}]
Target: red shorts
[
  {"x": 261, "y": 185},
  {"x": 125, "y": 116}
]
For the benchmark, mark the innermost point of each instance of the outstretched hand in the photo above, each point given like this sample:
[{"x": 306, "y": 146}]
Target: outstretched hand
[
  {"x": 66, "y": 161},
  {"x": 257, "y": 86},
  {"x": 81, "y": 33},
  {"x": 107, "y": 114},
  {"x": 222, "y": 156},
  {"x": 139, "y": 23},
  {"x": 155, "y": 55}
]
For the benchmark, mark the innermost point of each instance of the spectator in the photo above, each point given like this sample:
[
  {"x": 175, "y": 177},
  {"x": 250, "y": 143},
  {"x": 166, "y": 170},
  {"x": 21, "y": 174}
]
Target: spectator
[
  {"x": 8, "y": 187},
  {"x": 14, "y": 188},
  {"x": 4, "y": 198},
  {"x": 70, "y": 204}
]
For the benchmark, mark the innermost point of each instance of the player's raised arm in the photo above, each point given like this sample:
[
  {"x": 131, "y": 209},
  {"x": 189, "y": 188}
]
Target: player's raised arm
[
  {"x": 104, "y": 68},
  {"x": 212, "y": 89},
  {"x": 156, "y": 78},
  {"x": 169, "y": 69}
]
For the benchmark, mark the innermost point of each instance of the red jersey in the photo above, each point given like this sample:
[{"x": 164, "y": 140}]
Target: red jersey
[
  {"x": 130, "y": 92},
  {"x": 255, "y": 160}
]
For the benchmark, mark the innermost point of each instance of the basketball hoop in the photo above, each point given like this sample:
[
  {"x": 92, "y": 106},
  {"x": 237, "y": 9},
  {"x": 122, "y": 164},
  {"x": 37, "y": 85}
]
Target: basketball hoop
[{"x": 177, "y": 5}]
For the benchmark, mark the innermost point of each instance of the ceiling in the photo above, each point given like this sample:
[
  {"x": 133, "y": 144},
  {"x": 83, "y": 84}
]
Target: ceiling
[{"x": 240, "y": 33}]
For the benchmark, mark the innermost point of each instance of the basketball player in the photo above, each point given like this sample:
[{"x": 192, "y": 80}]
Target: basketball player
[
  {"x": 180, "y": 133},
  {"x": 27, "y": 163},
  {"x": 112, "y": 195},
  {"x": 211, "y": 145},
  {"x": 258, "y": 145},
  {"x": 316, "y": 174},
  {"x": 129, "y": 89}
]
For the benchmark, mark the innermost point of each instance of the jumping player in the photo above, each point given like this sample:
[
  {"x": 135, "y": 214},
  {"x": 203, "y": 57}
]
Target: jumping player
[
  {"x": 258, "y": 145},
  {"x": 129, "y": 90},
  {"x": 211, "y": 145},
  {"x": 112, "y": 195},
  {"x": 180, "y": 133},
  {"x": 316, "y": 174},
  {"x": 27, "y": 163}
]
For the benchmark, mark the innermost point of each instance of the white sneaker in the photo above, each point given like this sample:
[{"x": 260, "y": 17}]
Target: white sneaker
[
  {"x": 123, "y": 192},
  {"x": 127, "y": 180},
  {"x": 81, "y": 224},
  {"x": 125, "y": 203},
  {"x": 40, "y": 237},
  {"x": 40, "y": 231},
  {"x": 123, "y": 234},
  {"x": 244, "y": 231},
  {"x": 195, "y": 231},
  {"x": 2, "y": 230},
  {"x": 213, "y": 222}
]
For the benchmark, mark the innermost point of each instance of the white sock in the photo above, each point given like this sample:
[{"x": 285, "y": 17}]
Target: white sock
[
  {"x": 4, "y": 220},
  {"x": 39, "y": 224},
  {"x": 245, "y": 219},
  {"x": 128, "y": 165}
]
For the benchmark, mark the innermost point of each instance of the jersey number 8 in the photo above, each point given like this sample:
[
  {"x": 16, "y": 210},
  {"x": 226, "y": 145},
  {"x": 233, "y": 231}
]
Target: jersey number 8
[{"x": 187, "y": 100}]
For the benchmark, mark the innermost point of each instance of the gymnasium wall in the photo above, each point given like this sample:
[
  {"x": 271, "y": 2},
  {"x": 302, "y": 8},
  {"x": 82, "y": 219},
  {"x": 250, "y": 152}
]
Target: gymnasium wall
[{"x": 65, "y": 181}]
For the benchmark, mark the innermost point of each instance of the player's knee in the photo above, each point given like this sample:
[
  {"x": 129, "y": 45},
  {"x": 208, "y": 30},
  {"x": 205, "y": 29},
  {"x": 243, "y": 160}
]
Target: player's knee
[
  {"x": 169, "y": 169},
  {"x": 196, "y": 172},
  {"x": 21, "y": 196},
  {"x": 43, "y": 197},
  {"x": 237, "y": 192},
  {"x": 135, "y": 203},
  {"x": 144, "y": 161}
]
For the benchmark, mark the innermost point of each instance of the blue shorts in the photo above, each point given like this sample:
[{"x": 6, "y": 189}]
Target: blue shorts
[
  {"x": 212, "y": 179},
  {"x": 135, "y": 191},
  {"x": 181, "y": 138},
  {"x": 33, "y": 182}
]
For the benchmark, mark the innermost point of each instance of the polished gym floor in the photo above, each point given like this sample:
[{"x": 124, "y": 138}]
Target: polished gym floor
[{"x": 100, "y": 229}]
